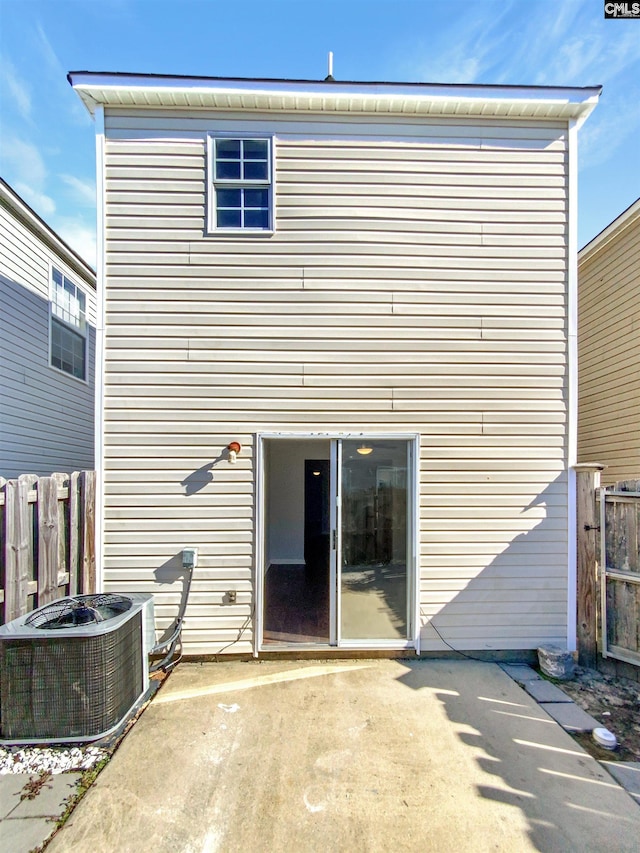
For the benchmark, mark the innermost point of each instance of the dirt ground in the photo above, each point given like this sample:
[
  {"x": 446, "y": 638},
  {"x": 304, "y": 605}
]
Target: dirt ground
[{"x": 614, "y": 702}]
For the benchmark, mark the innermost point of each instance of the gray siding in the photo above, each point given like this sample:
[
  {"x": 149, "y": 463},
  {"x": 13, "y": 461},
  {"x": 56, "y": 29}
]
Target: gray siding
[
  {"x": 416, "y": 282},
  {"x": 46, "y": 416}
]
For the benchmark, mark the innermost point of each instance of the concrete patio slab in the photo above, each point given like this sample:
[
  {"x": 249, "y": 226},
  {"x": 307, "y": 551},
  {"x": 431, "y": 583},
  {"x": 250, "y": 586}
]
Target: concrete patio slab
[
  {"x": 545, "y": 691},
  {"x": 51, "y": 799},
  {"x": 570, "y": 716},
  {"x": 627, "y": 774},
  {"x": 11, "y": 786},
  {"x": 22, "y": 835},
  {"x": 349, "y": 755},
  {"x": 521, "y": 673}
]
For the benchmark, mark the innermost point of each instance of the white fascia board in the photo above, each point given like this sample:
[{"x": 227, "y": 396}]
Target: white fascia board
[{"x": 108, "y": 88}]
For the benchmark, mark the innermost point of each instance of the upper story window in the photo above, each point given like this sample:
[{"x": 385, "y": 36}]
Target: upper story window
[
  {"x": 68, "y": 326},
  {"x": 241, "y": 192}
]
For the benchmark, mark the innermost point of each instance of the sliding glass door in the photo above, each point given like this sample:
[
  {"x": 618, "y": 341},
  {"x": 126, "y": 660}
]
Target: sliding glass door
[
  {"x": 374, "y": 545},
  {"x": 338, "y": 548}
]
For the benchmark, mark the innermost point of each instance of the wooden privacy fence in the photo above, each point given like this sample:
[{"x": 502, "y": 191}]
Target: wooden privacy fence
[
  {"x": 620, "y": 571},
  {"x": 608, "y": 569},
  {"x": 47, "y": 540}
]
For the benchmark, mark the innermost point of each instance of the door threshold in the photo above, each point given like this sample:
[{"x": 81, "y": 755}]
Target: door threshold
[{"x": 296, "y": 652}]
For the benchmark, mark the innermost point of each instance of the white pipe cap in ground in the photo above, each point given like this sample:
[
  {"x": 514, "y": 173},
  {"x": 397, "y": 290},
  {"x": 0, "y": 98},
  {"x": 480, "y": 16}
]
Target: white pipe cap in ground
[{"x": 605, "y": 738}]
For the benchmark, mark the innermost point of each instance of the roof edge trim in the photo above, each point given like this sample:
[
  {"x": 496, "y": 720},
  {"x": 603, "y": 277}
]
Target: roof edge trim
[
  {"x": 94, "y": 87},
  {"x": 612, "y": 230},
  {"x": 10, "y": 199}
]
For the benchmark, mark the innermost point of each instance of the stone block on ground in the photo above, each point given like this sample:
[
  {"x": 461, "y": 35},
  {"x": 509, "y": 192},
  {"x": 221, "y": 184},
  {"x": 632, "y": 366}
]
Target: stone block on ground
[{"x": 556, "y": 662}]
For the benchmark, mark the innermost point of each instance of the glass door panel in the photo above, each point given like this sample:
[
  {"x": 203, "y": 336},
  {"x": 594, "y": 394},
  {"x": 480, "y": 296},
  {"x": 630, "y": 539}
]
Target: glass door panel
[{"x": 374, "y": 538}]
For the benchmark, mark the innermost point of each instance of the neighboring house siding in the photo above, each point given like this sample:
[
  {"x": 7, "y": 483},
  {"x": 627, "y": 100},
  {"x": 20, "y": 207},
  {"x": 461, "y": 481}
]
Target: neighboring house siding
[
  {"x": 416, "y": 282},
  {"x": 46, "y": 416},
  {"x": 609, "y": 352}
]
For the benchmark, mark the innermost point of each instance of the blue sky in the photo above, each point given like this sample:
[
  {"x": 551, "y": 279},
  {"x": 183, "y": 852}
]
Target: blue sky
[{"x": 46, "y": 137}]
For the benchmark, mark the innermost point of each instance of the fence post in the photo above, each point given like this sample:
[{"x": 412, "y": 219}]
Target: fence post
[
  {"x": 587, "y": 481},
  {"x": 74, "y": 533},
  {"x": 17, "y": 536},
  {"x": 88, "y": 498}
]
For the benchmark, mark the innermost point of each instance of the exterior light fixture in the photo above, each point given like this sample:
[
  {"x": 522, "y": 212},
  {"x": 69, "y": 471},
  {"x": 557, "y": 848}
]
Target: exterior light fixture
[
  {"x": 365, "y": 449},
  {"x": 316, "y": 473},
  {"x": 234, "y": 448}
]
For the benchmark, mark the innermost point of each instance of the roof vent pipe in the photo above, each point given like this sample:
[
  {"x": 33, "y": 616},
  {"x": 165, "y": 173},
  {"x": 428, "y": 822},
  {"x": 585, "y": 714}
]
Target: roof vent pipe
[{"x": 330, "y": 78}]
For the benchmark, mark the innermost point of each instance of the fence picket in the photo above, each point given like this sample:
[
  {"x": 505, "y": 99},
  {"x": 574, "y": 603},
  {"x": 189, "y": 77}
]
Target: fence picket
[
  {"x": 621, "y": 575},
  {"x": 47, "y": 532},
  {"x": 88, "y": 497},
  {"x": 17, "y": 538},
  {"x": 74, "y": 533},
  {"x": 47, "y": 540}
]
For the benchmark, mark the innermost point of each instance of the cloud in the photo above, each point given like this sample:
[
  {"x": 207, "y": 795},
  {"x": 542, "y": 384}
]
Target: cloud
[
  {"x": 56, "y": 78},
  {"x": 22, "y": 159},
  {"x": 80, "y": 235},
  {"x": 48, "y": 54},
  {"x": 462, "y": 54},
  {"x": 41, "y": 203},
  {"x": 16, "y": 88},
  {"x": 84, "y": 192},
  {"x": 590, "y": 53},
  {"x": 606, "y": 130}
]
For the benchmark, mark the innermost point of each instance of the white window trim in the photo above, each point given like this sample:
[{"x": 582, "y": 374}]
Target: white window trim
[
  {"x": 211, "y": 227},
  {"x": 74, "y": 280}
]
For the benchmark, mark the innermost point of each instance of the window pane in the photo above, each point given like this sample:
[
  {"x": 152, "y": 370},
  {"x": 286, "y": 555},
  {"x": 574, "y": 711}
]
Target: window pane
[
  {"x": 256, "y": 218},
  {"x": 229, "y": 198},
  {"x": 67, "y": 350},
  {"x": 228, "y": 170},
  {"x": 229, "y": 218},
  {"x": 57, "y": 277},
  {"x": 256, "y": 198},
  {"x": 81, "y": 301},
  {"x": 228, "y": 148},
  {"x": 256, "y": 149},
  {"x": 256, "y": 171}
]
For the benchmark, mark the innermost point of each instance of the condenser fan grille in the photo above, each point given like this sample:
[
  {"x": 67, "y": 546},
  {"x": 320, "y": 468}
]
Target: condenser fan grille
[
  {"x": 65, "y": 687},
  {"x": 79, "y": 610}
]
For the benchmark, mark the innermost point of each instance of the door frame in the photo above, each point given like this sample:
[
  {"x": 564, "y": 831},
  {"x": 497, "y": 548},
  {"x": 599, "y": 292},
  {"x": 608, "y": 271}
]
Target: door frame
[{"x": 413, "y": 519}]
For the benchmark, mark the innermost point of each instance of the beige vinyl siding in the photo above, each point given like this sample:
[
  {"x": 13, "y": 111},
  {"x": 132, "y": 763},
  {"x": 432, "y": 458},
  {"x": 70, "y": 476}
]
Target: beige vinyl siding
[
  {"x": 609, "y": 352},
  {"x": 46, "y": 417},
  {"x": 416, "y": 282}
]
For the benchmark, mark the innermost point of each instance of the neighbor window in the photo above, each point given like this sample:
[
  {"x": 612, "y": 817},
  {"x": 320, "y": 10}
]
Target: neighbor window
[
  {"x": 68, "y": 326},
  {"x": 241, "y": 184}
]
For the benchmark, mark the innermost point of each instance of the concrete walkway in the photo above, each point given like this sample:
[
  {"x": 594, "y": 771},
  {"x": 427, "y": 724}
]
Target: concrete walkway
[
  {"x": 28, "y": 814},
  {"x": 349, "y": 756}
]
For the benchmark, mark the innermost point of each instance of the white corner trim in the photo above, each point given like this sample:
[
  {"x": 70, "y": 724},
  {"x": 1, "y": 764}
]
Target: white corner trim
[
  {"x": 101, "y": 281},
  {"x": 259, "y": 546},
  {"x": 572, "y": 378},
  {"x": 417, "y": 568}
]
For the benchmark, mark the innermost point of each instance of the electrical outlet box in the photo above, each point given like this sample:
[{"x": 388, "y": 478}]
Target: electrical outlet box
[
  {"x": 232, "y": 595},
  {"x": 189, "y": 558}
]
